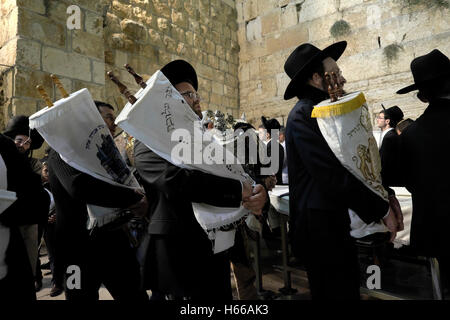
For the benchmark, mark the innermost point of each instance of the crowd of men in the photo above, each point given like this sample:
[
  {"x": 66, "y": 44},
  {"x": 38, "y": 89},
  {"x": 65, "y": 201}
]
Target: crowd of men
[{"x": 178, "y": 261}]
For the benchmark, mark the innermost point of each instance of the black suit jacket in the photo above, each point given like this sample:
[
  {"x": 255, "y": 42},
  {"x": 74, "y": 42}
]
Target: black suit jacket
[
  {"x": 31, "y": 207},
  {"x": 278, "y": 170},
  {"x": 388, "y": 154},
  {"x": 317, "y": 180},
  {"x": 72, "y": 190},
  {"x": 424, "y": 170},
  {"x": 171, "y": 191}
]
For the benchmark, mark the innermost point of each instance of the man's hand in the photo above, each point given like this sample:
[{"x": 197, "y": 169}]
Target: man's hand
[
  {"x": 246, "y": 190},
  {"x": 52, "y": 218},
  {"x": 140, "y": 208},
  {"x": 395, "y": 205},
  {"x": 392, "y": 224},
  {"x": 255, "y": 203},
  {"x": 270, "y": 182}
]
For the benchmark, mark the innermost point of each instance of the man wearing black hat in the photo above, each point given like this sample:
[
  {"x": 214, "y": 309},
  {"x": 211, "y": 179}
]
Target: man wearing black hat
[
  {"x": 180, "y": 261},
  {"x": 274, "y": 145},
  {"x": 321, "y": 190},
  {"x": 387, "y": 120},
  {"x": 26, "y": 141},
  {"x": 30, "y": 208},
  {"x": 422, "y": 162}
]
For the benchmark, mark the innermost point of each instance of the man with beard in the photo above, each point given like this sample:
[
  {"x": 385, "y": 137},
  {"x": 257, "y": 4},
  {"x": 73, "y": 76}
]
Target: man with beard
[
  {"x": 321, "y": 190},
  {"x": 26, "y": 141},
  {"x": 180, "y": 260},
  {"x": 30, "y": 208}
]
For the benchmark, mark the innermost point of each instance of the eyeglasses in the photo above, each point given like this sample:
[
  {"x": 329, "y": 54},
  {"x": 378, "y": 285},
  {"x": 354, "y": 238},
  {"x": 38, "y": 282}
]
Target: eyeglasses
[
  {"x": 22, "y": 142},
  {"x": 380, "y": 118},
  {"x": 191, "y": 95}
]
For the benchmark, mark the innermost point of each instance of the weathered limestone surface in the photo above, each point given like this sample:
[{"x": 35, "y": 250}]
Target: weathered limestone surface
[
  {"x": 238, "y": 48},
  {"x": 35, "y": 42},
  {"x": 270, "y": 30}
]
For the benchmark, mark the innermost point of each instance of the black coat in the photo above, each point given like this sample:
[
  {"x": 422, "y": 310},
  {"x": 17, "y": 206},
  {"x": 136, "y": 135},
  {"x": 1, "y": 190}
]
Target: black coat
[
  {"x": 424, "y": 170},
  {"x": 388, "y": 154},
  {"x": 72, "y": 190},
  {"x": 31, "y": 207},
  {"x": 180, "y": 258},
  {"x": 317, "y": 180},
  {"x": 278, "y": 170}
]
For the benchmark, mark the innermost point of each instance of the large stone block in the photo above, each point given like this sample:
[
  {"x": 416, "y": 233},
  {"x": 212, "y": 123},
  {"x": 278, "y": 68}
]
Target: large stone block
[
  {"x": 8, "y": 53},
  {"x": 180, "y": 19},
  {"x": 27, "y": 80},
  {"x": 8, "y": 25},
  {"x": 23, "y": 106},
  {"x": 134, "y": 30},
  {"x": 35, "y": 26},
  {"x": 213, "y": 61},
  {"x": 122, "y": 10},
  {"x": 87, "y": 44},
  {"x": 66, "y": 64},
  {"x": 93, "y": 23},
  {"x": 289, "y": 16},
  {"x": 155, "y": 38},
  {"x": 98, "y": 72},
  {"x": 266, "y": 6},
  {"x": 292, "y": 39},
  {"x": 178, "y": 33},
  {"x": 163, "y": 25},
  {"x": 170, "y": 44},
  {"x": 97, "y": 91},
  {"x": 162, "y": 10},
  {"x": 345, "y": 4},
  {"x": 28, "y": 53},
  {"x": 37, "y": 6},
  {"x": 250, "y": 9},
  {"x": 254, "y": 29},
  {"x": 271, "y": 22},
  {"x": 210, "y": 47},
  {"x": 217, "y": 88},
  {"x": 311, "y": 10}
]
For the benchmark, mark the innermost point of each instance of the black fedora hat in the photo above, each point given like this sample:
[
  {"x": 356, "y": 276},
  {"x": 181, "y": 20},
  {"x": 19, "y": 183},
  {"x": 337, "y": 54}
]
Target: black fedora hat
[
  {"x": 304, "y": 56},
  {"x": 427, "y": 69},
  {"x": 270, "y": 124},
  {"x": 19, "y": 125},
  {"x": 179, "y": 71}
]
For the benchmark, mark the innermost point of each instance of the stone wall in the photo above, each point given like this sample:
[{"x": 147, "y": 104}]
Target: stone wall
[
  {"x": 269, "y": 30},
  {"x": 35, "y": 41},
  {"x": 149, "y": 34}
]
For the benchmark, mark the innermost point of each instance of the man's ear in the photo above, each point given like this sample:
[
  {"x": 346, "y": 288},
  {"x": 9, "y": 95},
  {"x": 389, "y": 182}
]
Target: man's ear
[{"x": 388, "y": 121}]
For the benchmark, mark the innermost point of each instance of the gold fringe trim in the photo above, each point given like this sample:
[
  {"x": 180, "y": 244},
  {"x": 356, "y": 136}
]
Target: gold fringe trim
[{"x": 339, "y": 108}]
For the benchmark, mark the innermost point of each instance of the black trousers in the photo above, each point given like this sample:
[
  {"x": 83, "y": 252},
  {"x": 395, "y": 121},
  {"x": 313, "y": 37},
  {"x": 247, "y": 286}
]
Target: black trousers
[
  {"x": 187, "y": 269},
  {"x": 331, "y": 257},
  {"x": 110, "y": 260}
]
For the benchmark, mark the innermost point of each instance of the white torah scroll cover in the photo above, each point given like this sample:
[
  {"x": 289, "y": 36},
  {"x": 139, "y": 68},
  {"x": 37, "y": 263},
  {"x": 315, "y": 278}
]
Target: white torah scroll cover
[
  {"x": 7, "y": 198},
  {"x": 164, "y": 122},
  {"x": 346, "y": 126},
  {"x": 74, "y": 128}
]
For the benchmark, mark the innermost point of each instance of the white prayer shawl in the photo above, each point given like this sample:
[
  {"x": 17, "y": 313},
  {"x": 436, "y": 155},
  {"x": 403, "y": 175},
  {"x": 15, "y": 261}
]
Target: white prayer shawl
[
  {"x": 165, "y": 123},
  {"x": 346, "y": 126},
  {"x": 74, "y": 128}
]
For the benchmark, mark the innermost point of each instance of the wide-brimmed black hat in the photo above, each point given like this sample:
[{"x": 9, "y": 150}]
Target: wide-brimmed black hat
[
  {"x": 19, "y": 125},
  {"x": 427, "y": 69},
  {"x": 394, "y": 113},
  {"x": 179, "y": 71},
  {"x": 270, "y": 124},
  {"x": 298, "y": 64}
]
